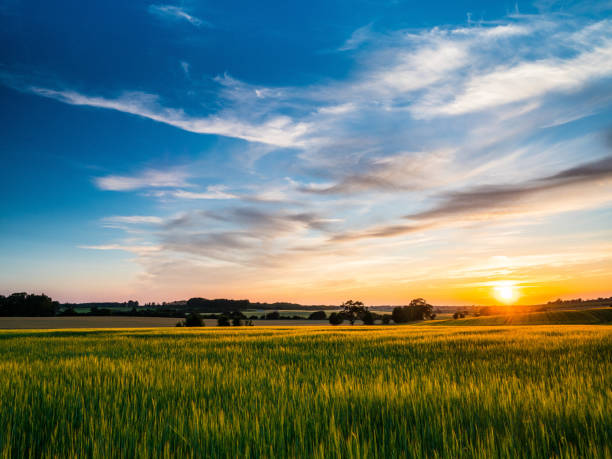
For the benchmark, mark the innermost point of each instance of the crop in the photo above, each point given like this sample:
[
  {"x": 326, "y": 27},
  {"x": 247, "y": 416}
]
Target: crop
[{"x": 382, "y": 391}]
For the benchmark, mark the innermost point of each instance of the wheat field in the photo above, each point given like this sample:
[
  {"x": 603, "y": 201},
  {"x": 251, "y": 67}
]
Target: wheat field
[{"x": 384, "y": 391}]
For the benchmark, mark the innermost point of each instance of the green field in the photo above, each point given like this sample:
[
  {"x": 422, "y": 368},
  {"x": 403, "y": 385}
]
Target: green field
[
  {"x": 394, "y": 391},
  {"x": 552, "y": 317}
]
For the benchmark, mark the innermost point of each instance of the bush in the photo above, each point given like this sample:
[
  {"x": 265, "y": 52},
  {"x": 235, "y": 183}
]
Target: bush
[
  {"x": 335, "y": 318},
  {"x": 318, "y": 315},
  {"x": 368, "y": 318},
  {"x": 193, "y": 319},
  {"x": 386, "y": 319},
  {"x": 236, "y": 322},
  {"x": 223, "y": 321}
]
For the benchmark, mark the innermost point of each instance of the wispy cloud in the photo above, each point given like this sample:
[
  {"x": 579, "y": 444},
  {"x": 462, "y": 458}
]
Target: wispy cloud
[
  {"x": 276, "y": 130},
  {"x": 576, "y": 188},
  {"x": 492, "y": 200},
  {"x": 212, "y": 192},
  {"x": 357, "y": 38},
  {"x": 133, "y": 219},
  {"x": 145, "y": 179},
  {"x": 136, "y": 249},
  {"x": 404, "y": 171},
  {"x": 528, "y": 81},
  {"x": 177, "y": 13}
]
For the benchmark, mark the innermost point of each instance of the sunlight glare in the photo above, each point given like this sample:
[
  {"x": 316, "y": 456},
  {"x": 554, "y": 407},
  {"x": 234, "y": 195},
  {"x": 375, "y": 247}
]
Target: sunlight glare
[{"x": 506, "y": 292}]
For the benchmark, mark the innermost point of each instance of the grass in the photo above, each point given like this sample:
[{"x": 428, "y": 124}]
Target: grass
[
  {"x": 584, "y": 316},
  {"x": 395, "y": 391}
]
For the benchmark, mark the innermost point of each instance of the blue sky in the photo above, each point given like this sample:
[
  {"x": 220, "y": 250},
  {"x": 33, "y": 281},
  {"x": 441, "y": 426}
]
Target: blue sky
[{"x": 306, "y": 151}]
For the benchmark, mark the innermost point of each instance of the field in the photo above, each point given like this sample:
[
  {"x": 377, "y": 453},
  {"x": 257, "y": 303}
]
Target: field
[
  {"x": 395, "y": 391},
  {"x": 124, "y": 322},
  {"x": 580, "y": 316}
]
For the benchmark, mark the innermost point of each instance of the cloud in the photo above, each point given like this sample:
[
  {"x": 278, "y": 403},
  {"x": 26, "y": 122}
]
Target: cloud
[
  {"x": 276, "y": 130},
  {"x": 529, "y": 80},
  {"x": 212, "y": 192},
  {"x": 136, "y": 249},
  {"x": 186, "y": 68},
  {"x": 576, "y": 188},
  {"x": 492, "y": 200},
  {"x": 379, "y": 232},
  {"x": 146, "y": 179},
  {"x": 357, "y": 38},
  {"x": 247, "y": 236},
  {"x": 177, "y": 13},
  {"x": 133, "y": 219},
  {"x": 405, "y": 171}
]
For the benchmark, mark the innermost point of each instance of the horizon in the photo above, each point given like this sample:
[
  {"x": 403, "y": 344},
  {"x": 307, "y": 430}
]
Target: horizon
[
  {"x": 255, "y": 302},
  {"x": 460, "y": 152}
]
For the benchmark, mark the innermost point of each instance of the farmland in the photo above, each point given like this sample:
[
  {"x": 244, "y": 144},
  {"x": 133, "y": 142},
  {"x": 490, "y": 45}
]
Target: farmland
[{"x": 390, "y": 391}]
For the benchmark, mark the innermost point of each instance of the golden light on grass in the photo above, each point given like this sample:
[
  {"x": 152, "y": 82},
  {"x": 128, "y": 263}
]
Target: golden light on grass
[{"x": 506, "y": 292}]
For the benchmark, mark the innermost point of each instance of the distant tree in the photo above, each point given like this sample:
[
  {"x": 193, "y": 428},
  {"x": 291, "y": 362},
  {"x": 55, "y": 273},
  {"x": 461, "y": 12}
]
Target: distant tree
[
  {"x": 318, "y": 315},
  {"x": 236, "y": 321},
  {"x": 217, "y": 305},
  {"x": 274, "y": 315},
  {"x": 68, "y": 312},
  {"x": 424, "y": 310},
  {"x": 386, "y": 319},
  {"x": 353, "y": 310},
  {"x": 223, "y": 321},
  {"x": 368, "y": 318},
  {"x": 336, "y": 318},
  {"x": 418, "y": 309},
  {"x": 22, "y": 304},
  {"x": 193, "y": 319}
]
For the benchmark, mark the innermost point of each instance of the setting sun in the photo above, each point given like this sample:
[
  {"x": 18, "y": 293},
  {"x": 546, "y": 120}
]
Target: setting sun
[{"x": 506, "y": 292}]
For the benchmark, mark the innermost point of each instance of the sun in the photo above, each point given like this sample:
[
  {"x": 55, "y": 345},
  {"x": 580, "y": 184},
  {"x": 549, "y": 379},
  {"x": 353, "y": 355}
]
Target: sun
[{"x": 506, "y": 292}]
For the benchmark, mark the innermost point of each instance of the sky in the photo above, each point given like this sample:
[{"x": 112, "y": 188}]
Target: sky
[{"x": 311, "y": 152}]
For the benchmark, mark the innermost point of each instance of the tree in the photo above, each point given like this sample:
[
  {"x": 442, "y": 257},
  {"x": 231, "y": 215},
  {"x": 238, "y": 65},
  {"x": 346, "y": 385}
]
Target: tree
[
  {"x": 386, "y": 319},
  {"x": 236, "y": 322},
  {"x": 336, "y": 318},
  {"x": 318, "y": 315},
  {"x": 223, "y": 321},
  {"x": 368, "y": 318},
  {"x": 22, "y": 304},
  {"x": 193, "y": 319},
  {"x": 353, "y": 310},
  {"x": 418, "y": 309}
]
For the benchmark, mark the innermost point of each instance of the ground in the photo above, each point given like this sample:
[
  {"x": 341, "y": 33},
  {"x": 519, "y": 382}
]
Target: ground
[{"x": 394, "y": 391}]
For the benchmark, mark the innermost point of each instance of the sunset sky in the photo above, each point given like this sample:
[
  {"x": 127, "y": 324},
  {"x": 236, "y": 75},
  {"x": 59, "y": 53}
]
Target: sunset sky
[{"x": 313, "y": 151}]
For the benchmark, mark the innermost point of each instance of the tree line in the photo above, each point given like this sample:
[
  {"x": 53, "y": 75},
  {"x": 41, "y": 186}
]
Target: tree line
[
  {"x": 24, "y": 304},
  {"x": 351, "y": 311}
]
